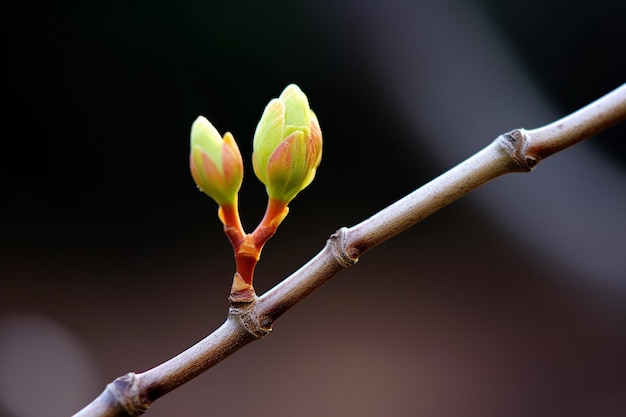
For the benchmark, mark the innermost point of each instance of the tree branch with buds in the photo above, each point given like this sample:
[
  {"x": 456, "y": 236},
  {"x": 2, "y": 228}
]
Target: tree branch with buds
[{"x": 287, "y": 152}]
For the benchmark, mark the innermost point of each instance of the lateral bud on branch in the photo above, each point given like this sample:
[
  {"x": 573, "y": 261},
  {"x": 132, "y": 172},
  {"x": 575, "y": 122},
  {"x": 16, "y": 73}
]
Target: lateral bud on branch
[
  {"x": 126, "y": 391},
  {"x": 516, "y": 144},
  {"x": 345, "y": 254},
  {"x": 248, "y": 316}
]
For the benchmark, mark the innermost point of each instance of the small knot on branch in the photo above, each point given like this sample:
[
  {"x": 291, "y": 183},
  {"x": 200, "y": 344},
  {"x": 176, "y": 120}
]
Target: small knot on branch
[
  {"x": 248, "y": 316},
  {"x": 339, "y": 245},
  {"x": 516, "y": 144},
  {"x": 125, "y": 390}
]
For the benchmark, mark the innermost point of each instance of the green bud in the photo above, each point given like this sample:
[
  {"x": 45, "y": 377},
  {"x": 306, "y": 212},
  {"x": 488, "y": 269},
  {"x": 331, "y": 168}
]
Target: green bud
[
  {"x": 287, "y": 146},
  {"x": 215, "y": 162}
]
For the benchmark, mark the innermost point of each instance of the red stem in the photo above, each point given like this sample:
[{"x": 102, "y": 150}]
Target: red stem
[{"x": 247, "y": 247}]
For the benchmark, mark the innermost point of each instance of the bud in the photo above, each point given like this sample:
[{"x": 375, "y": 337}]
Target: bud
[
  {"x": 287, "y": 146},
  {"x": 215, "y": 162}
]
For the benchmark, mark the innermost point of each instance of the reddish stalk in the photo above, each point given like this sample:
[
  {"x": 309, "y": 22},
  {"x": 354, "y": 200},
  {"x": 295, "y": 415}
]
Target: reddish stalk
[{"x": 248, "y": 247}]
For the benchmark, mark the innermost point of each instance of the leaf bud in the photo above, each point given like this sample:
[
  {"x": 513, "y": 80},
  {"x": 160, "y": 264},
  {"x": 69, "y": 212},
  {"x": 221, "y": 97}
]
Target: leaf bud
[
  {"x": 215, "y": 162},
  {"x": 287, "y": 147}
]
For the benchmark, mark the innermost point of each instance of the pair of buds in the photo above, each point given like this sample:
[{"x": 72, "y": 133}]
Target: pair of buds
[{"x": 287, "y": 149}]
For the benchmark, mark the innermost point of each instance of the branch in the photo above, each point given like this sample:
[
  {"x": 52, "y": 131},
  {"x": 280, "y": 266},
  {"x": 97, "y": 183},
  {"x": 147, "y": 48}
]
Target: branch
[{"x": 517, "y": 151}]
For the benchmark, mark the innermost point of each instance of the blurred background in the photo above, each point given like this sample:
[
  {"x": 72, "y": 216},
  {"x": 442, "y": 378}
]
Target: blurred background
[{"x": 511, "y": 301}]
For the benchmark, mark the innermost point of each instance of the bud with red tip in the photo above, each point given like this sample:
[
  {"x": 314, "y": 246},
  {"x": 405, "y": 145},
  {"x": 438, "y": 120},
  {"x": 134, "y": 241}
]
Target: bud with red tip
[
  {"x": 287, "y": 146},
  {"x": 215, "y": 162}
]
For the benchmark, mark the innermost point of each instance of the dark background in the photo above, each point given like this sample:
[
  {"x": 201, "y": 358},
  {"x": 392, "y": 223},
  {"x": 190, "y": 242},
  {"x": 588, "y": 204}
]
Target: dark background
[{"x": 111, "y": 260}]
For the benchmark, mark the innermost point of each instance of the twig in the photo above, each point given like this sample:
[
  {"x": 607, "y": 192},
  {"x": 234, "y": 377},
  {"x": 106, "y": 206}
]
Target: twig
[{"x": 517, "y": 151}]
